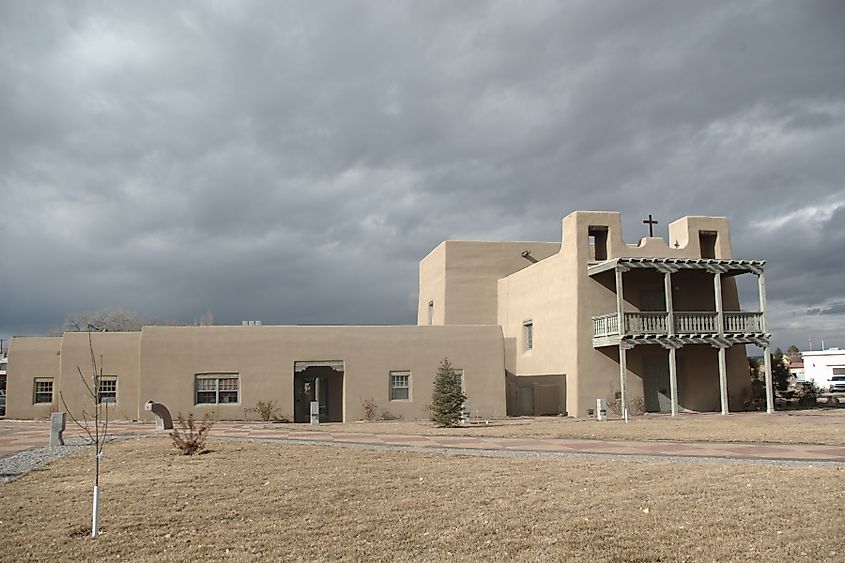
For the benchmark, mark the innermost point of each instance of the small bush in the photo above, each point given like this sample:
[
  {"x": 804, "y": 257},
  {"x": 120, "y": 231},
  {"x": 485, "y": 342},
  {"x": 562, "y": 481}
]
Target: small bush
[
  {"x": 387, "y": 415},
  {"x": 614, "y": 403},
  {"x": 636, "y": 406},
  {"x": 369, "y": 409},
  {"x": 806, "y": 392},
  {"x": 266, "y": 410},
  {"x": 189, "y": 438},
  {"x": 755, "y": 398}
]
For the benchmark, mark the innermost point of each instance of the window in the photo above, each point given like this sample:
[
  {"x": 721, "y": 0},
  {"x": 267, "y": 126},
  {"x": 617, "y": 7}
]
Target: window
[
  {"x": 597, "y": 237},
  {"x": 838, "y": 371},
  {"x": 217, "y": 388},
  {"x": 400, "y": 385},
  {"x": 707, "y": 243},
  {"x": 43, "y": 390},
  {"x": 528, "y": 329},
  {"x": 108, "y": 389}
]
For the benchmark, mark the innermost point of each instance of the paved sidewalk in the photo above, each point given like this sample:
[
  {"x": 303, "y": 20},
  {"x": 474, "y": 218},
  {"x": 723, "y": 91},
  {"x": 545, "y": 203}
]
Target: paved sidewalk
[{"x": 20, "y": 435}]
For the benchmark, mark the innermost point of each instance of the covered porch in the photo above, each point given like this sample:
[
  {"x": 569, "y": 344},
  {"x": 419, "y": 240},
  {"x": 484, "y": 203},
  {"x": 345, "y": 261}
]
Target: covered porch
[{"x": 656, "y": 321}]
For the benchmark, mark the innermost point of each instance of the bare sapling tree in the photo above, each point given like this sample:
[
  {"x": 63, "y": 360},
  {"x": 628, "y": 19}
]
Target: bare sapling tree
[{"x": 94, "y": 422}]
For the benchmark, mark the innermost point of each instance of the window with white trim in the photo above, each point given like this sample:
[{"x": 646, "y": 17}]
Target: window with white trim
[
  {"x": 400, "y": 385},
  {"x": 108, "y": 389},
  {"x": 43, "y": 390},
  {"x": 528, "y": 330},
  {"x": 217, "y": 388}
]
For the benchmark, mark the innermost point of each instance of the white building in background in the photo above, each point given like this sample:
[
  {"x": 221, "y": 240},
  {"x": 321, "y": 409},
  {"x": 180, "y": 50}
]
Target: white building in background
[
  {"x": 821, "y": 365},
  {"x": 796, "y": 370}
]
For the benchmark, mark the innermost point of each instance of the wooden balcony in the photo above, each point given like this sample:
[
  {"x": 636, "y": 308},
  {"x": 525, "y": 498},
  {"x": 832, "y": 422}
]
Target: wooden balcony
[{"x": 686, "y": 323}]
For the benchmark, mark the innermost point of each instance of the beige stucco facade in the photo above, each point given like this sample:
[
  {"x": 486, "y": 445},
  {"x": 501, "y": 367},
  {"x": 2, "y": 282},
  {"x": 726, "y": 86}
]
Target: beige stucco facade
[
  {"x": 537, "y": 328},
  {"x": 549, "y": 291},
  {"x": 163, "y": 364}
]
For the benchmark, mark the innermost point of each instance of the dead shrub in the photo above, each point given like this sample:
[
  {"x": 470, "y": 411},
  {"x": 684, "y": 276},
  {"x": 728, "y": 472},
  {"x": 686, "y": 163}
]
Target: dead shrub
[
  {"x": 614, "y": 403},
  {"x": 266, "y": 410},
  {"x": 636, "y": 406},
  {"x": 369, "y": 409},
  {"x": 387, "y": 415},
  {"x": 189, "y": 438}
]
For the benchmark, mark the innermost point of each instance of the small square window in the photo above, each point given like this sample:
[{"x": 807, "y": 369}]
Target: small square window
[
  {"x": 108, "y": 389},
  {"x": 400, "y": 385},
  {"x": 43, "y": 390}
]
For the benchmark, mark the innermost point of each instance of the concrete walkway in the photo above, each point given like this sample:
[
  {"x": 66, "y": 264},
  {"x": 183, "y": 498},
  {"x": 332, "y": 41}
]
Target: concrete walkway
[{"x": 20, "y": 435}]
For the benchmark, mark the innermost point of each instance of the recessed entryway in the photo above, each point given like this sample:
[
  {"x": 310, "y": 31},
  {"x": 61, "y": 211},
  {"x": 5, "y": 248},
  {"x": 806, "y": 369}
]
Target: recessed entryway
[{"x": 320, "y": 381}]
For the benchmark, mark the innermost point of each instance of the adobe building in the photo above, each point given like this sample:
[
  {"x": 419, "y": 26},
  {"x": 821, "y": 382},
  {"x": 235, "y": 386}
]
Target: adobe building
[{"x": 535, "y": 328}]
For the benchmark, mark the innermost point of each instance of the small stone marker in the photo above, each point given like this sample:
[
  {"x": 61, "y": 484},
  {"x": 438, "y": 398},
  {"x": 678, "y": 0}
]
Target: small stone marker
[
  {"x": 163, "y": 419},
  {"x": 601, "y": 409},
  {"x": 315, "y": 412},
  {"x": 57, "y": 426}
]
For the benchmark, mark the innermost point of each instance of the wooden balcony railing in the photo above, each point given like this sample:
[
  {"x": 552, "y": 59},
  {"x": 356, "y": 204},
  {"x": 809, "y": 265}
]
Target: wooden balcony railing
[
  {"x": 605, "y": 325},
  {"x": 686, "y": 322},
  {"x": 696, "y": 323},
  {"x": 646, "y": 323},
  {"x": 743, "y": 322}
]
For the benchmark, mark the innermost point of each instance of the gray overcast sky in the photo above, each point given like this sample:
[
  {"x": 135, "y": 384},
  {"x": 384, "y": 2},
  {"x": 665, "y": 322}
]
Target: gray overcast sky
[{"x": 292, "y": 161}]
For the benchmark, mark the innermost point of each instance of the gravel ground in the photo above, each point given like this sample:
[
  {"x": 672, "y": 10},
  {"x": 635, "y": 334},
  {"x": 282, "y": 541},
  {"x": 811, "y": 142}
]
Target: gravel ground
[
  {"x": 15, "y": 465},
  {"x": 20, "y": 463},
  {"x": 529, "y": 454}
]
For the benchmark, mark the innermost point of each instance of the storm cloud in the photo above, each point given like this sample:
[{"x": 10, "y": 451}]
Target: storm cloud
[{"x": 291, "y": 162}]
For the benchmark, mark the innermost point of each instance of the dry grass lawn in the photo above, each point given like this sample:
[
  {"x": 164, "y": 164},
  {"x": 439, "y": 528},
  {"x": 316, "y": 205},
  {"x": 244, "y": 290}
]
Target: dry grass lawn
[
  {"x": 820, "y": 427},
  {"x": 247, "y": 501}
]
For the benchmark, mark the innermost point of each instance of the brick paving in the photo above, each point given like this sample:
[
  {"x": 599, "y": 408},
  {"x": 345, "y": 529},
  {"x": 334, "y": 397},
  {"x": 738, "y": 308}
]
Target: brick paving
[{"x": 20, "y": 435}]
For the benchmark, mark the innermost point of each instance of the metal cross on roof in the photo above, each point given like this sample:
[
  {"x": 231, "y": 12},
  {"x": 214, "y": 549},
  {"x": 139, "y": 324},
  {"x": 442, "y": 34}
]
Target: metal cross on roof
[{"x": 651, "y": 223}]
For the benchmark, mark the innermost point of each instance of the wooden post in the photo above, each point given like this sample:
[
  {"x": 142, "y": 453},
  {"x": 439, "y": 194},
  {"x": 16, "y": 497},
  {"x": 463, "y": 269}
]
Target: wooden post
[
  {"x": 620, "y": 304},
  {"x": 761, "y": 289},
  {"x": 767, "y": 362},
  {"x": 717, "y": 290},
  {"x": 723, "y": 380},
  {"x": 720, "y": 328},
  {"x": 673, "y": 380},
  {"x": 623, "y": 368},
  {"x": 670, "y": 328},
  {"x": 623, "y": 379},
  {"x": 670, "y": 311}
]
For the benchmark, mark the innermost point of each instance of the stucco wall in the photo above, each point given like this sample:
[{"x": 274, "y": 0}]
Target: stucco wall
[
  {"x": 433, "y": 287},
  {"x": 118, "y": 354},
  {"x": 264, "y": 358},
  {"x": 560, "y": 299},
  {"x": 30, "y": 358},
  {"x": 487, "y": 284},
  {"x": 463, "y": 276}
]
